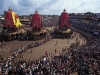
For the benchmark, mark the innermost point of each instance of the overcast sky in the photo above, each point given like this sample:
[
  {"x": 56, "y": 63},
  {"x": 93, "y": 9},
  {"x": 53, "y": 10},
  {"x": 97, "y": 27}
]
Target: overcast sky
[{"x": 53, "y": 7}]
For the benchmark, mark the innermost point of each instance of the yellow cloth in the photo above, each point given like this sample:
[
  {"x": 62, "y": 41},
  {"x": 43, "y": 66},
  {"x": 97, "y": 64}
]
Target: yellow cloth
[{"x": 16, "y": 20}]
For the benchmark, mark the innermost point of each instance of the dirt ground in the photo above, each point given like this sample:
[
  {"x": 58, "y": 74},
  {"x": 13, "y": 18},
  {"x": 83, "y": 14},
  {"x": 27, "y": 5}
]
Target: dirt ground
[{"x": 12, "y": 46}]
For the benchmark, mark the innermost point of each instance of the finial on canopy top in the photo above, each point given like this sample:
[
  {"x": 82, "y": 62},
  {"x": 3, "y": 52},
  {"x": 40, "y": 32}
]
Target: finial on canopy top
[
  {"x": 10, "y": 9},
  {"x": 64, "y": 10},
  {"x": 36, "y": 11}
]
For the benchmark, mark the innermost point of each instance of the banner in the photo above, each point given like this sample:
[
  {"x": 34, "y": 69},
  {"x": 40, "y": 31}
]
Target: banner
[{"x": 16, "y": 20}]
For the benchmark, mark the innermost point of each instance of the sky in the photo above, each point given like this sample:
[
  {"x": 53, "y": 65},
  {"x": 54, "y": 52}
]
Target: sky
[{"x": 52, "y": 7}]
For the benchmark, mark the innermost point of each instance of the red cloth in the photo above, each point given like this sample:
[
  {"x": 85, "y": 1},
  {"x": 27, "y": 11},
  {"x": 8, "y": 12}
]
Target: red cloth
[
  {"x": 36, "y": 20},
  {"x": 64, "y": 19},
  {"x": 16, "y": 16},
  {"x": 8, "y": 19}
]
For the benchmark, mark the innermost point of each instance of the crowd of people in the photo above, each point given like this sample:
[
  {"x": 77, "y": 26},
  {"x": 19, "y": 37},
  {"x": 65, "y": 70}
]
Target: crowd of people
[
  {"x": 51, "y": 21},
  {"x": 82, "y": 60}
]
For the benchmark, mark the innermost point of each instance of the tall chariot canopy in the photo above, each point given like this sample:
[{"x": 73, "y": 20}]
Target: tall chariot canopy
[
  {"x": 11, "y": 19},
  {"x": 64, "y": 19},
  {"x": 36, "y": 20}
]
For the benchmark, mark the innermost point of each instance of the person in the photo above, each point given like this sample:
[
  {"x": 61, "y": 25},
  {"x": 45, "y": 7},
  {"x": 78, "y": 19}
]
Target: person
[
  {"x": 56, "y": 43},
  {"x": 46, "y": 53},
  {"x": 32, "y": 49},
  {"x": 33, "y": 42},
  {"x": 3, "y": 41},
  {"x": 0, "y": 43},
  {"x": 27, "y": 37},
  {"x": 68, "y": 42},
  {"x": 3, "y": 49},
  {"x": 55, "y": 51},
  {"x": 72, "y": 37},
  {"x": 76, "y": 39}
]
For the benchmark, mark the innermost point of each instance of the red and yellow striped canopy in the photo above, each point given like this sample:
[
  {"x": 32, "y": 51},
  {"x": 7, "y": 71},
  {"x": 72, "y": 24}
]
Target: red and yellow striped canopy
[{"x": 11, "y": 19}]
